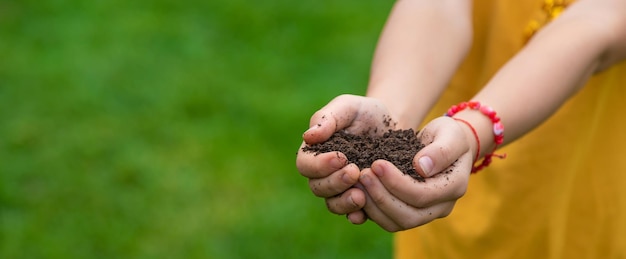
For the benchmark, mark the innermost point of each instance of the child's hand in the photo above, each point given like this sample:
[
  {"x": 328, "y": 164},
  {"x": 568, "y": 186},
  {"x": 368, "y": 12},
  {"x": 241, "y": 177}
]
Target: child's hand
[
  {"x": 330, "y": 175},
  {"x": 397, "y": 202}
]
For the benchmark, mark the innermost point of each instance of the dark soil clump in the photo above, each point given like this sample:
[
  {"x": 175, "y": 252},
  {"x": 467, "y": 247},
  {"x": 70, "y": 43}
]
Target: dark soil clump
[{"x": 396, "y": 146}]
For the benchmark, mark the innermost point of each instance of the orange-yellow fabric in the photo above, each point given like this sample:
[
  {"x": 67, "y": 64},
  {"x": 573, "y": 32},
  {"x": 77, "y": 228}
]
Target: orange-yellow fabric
[{"x": 561, "y": 192}]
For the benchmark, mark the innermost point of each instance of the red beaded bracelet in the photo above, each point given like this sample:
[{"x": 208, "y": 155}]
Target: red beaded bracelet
[{"x": 498, "y": 129}]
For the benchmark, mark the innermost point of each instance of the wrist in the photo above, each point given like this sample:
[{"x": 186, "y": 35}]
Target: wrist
[
  {"x": 483, "y": 128},
  {"x": 471, "y": 136},
  {"x": 484, "y": 125}
]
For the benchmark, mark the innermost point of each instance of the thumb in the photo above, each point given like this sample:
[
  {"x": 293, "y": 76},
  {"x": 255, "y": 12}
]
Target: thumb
[
  {"x": 338, "y": 114},
  {"x": 445, "y": 144}
]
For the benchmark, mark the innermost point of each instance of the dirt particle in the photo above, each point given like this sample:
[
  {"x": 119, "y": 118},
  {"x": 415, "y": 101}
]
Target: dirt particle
[{"x": 396, "y": 146}]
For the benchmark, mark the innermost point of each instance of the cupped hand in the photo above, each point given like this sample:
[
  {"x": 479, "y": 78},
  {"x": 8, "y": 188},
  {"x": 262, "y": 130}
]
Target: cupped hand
[
  {"x": 398, "y": 202},
  {"x": 330, "y": 175}
]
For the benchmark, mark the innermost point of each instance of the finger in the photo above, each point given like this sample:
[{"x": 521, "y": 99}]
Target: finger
[
  {"x": 378, "y": 195},
  {"x": 347, "y": 202},
  {"x": 336, "y": 183},
  {"x": 449, "y": 185},
  {"x": 393, "y": 214},
  {"x": 338, "y": 114},
  {"x": 374, "y": 213},
  {"x": 441, "y": 150},
  {"x": 357, "y": 217},
  {"x": 313, "y": 165}
]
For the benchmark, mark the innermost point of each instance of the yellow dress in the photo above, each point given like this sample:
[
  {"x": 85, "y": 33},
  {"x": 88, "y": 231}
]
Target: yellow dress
[{"x": 561, "y": 192}]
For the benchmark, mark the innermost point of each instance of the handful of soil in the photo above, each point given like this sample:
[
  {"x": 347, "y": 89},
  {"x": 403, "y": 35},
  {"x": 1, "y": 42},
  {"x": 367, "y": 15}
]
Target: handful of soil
[{"x": 396, "y": 146}]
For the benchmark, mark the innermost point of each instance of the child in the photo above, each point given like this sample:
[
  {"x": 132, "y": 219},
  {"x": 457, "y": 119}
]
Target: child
[{"x": 558, "y": 91}]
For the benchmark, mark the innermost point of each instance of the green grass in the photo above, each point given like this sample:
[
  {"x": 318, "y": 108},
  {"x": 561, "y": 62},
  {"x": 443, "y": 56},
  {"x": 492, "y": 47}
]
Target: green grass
[{"x": 168, "y": 129}]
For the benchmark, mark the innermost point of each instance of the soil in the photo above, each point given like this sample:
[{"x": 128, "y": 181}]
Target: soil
[{"x": 396, "y": 146}]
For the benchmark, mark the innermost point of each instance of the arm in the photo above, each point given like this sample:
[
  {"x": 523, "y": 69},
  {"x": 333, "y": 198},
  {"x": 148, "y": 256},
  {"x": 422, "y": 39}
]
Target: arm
[
  {"x": 588, "y": 37},
  {"x": 420, "y": 48}
]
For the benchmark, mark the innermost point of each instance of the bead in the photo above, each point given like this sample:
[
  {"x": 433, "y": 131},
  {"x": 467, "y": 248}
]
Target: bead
[
  {"x": 499, "y": 139},
  {"x": 488, "y": 111},
  {"x": 498, "y": 128}
]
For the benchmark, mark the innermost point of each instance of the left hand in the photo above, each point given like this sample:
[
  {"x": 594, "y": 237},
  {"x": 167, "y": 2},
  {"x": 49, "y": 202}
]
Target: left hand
[
  {"x": 396, "y": 201},
  {"x": 330, "y": 175}
]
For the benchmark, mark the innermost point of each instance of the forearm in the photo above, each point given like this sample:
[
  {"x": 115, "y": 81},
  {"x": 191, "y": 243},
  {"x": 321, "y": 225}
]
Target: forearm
[
  {"x": 588, "y": 37},
  {"x": 419, "y": 50}
]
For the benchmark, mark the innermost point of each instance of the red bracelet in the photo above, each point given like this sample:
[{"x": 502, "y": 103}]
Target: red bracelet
[
  {"x": 498, "y": 129},
  {"x": 475, "y": 137}
]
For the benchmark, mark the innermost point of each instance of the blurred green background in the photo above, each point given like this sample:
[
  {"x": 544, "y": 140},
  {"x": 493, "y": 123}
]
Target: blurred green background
[{"x": 168, "y": 129}]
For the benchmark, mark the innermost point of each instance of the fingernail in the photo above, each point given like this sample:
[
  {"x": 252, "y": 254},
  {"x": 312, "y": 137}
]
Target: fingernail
[
  {"x": 312, "y": 128},
  {"x": 352, "y": 201},
  {"x": 337, "y": 163},
  {"x": 378, "y": 169},
  {"x": 365, "y": 180},
  {"x": 426, "y": 164}
]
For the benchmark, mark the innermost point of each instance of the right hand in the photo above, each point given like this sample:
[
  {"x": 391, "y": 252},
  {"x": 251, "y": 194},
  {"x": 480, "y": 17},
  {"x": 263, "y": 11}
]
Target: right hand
[
  {"x": 330, "y": 176},
  {"x": 396, "y": 202}
]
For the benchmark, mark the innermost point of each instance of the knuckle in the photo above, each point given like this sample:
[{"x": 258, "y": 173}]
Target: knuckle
[
  {"x": 379, "y": 199},
  {"x": 445, "y": 151}
]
